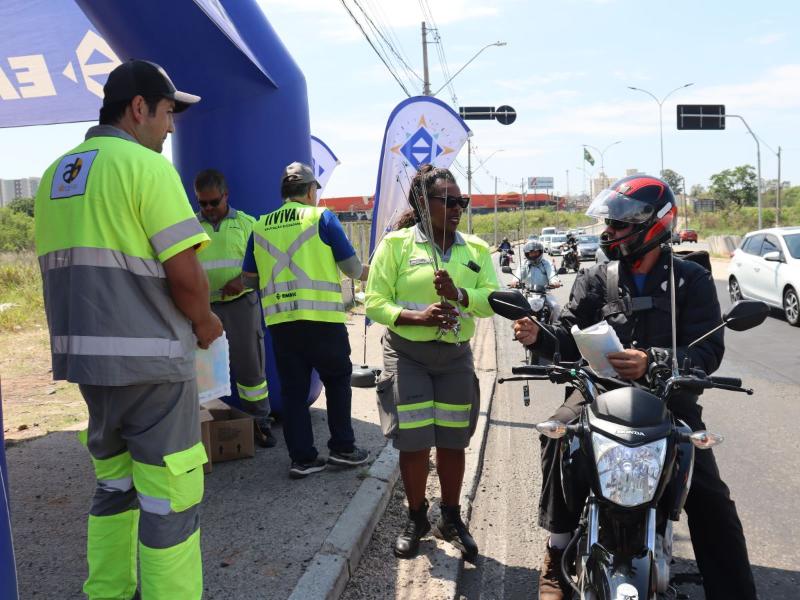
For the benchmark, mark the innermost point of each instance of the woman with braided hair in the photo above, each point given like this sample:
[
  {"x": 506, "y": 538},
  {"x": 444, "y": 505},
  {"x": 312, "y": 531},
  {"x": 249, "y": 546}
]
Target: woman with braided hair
[{"x": 427, "y": 283}]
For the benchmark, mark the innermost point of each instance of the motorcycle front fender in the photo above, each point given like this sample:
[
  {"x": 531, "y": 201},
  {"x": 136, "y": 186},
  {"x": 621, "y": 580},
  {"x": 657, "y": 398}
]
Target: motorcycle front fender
[{"x": 612, "y": 577}]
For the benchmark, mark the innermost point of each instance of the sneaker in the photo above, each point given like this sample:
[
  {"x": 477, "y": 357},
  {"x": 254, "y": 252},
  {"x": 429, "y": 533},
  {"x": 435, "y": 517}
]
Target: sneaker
[
  {"x": 299, "y": 470},
  {"x": 349, "y": 459},
  {"x": 263, "y": 433}
]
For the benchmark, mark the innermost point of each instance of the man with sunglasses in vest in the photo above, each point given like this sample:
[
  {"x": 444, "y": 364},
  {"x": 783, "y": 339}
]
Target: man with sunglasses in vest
[
  {"x": 294, "y": 256},
  {"x": 231, "y": 300}
]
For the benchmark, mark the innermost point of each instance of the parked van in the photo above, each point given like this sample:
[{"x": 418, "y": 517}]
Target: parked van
[{"x": 548, "y": 230}]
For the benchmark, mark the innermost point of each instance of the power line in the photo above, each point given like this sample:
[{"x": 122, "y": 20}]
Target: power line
[
  {"x": 388, "y": 43},
  {"x": 366, "y": 36}
]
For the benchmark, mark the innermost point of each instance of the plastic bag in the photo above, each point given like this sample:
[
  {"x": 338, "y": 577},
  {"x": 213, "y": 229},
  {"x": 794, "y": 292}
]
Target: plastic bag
[{"x": 213, "y": 370}]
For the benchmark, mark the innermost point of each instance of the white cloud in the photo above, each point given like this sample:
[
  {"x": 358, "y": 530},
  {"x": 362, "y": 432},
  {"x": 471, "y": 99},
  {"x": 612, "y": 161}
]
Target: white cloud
[
  {"x": 768, "y": 38},
  {"x": 778, "y": 88}
]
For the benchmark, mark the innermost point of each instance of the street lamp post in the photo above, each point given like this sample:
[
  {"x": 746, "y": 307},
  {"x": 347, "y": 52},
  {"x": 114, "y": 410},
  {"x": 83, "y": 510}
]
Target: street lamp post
[
  {"x": 602, "y": 154},
  {"x": 660, "y": 115},
  {"x": 467, "y": 64}
]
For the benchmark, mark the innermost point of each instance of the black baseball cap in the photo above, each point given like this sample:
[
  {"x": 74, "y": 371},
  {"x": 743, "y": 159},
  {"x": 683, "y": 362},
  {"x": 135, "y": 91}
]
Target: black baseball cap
[{"x": 144, "y": 78}]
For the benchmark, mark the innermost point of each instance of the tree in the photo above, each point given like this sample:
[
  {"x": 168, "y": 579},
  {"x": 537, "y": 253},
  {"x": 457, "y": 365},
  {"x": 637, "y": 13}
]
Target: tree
[
  {"x": 22, "y": 205},
  {"x": 697, "y": 191},
  {"x": 16, "y": 231},
  {"x": 675, "y": 180},
  {"x": 735, "y": 186}
]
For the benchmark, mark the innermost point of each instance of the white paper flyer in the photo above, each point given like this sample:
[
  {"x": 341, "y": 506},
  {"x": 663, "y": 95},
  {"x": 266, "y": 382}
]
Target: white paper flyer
[{"x": 594, "y": 343}]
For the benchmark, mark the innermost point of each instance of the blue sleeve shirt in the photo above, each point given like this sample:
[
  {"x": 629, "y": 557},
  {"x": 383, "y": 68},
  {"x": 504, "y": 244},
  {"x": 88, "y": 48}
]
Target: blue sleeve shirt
[{"x": 249, "y": 264}]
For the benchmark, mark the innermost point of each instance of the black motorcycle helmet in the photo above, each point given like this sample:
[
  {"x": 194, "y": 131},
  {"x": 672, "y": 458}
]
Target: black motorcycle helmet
[{"x": 640, "y": 200}]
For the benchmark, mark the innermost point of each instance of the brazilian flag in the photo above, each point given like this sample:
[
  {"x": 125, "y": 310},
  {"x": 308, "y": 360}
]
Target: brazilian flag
[{"x": 588, "y": 157}]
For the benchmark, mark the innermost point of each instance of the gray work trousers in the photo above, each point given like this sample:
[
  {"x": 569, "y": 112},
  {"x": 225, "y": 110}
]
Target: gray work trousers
[{"x": 242, "y": 321}]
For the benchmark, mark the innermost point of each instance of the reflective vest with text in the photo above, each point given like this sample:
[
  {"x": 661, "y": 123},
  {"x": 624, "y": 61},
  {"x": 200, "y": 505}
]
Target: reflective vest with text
[{"x": 297, "y": 272}]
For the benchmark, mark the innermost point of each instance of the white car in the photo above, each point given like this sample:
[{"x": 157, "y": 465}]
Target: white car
[
  {"x": 553, "y": 247},
  {"x": 766, "y": 266}
]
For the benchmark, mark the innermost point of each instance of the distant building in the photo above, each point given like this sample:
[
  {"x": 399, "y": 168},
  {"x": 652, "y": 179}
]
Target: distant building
[
  {"x": 356, "y": 208},
  {"x": 11, "y": 189},
  {"x": 601, "y": 182}
]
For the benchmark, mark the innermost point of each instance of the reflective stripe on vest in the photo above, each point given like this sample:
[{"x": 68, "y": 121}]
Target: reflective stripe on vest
[
  {"x": 220, "y": 264},
  {"x": 170, "y": 236},
  {"x": 274, "y": 309},
  {"x": 115, "y": 346},
  {"x": 101, "y": 257},
  {"x": 283, "y": 260}
]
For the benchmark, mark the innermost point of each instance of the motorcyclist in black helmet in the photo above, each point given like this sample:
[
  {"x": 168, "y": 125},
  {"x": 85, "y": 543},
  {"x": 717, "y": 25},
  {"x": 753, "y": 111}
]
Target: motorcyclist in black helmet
[{"x": 639, "y": 212}]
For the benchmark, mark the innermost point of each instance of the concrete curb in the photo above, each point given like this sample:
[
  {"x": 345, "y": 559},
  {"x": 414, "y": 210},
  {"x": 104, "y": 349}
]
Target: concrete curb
[{"x": 337, "y": 559}]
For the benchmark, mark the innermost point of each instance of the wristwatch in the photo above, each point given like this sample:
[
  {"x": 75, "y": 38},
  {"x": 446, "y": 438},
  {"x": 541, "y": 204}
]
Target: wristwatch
[{"x": 460, "y": 295}]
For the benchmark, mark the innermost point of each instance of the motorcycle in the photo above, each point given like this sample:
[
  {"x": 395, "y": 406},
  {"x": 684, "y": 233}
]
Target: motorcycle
[
  {"x": 569, "y": 259},
  {"x": 541, "y": 308},
  {"x": 633, "y": 456},
  {"x": 506, "y": 257}
]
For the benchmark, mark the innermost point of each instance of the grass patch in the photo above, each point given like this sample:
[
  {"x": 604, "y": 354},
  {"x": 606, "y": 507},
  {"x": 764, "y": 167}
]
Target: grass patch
[{"x": 21, "y": 301}]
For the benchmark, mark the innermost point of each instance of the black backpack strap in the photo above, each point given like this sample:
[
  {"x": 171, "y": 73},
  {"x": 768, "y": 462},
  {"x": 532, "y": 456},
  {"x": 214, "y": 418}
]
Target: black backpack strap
[{"x": 616, "y": 304}]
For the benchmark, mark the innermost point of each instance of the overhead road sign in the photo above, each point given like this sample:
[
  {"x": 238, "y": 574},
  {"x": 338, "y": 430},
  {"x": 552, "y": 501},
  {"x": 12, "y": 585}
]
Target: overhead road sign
[
  {"x": 505, "y": 115},
  {"x": 701, "y": 116}
]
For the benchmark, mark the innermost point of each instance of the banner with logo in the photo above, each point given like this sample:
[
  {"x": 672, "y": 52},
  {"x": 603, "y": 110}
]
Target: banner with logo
[
  {"x": 323, "y": 161},
  {"x": 420, "y": 130},
  {"x": 53, "y": 64}
]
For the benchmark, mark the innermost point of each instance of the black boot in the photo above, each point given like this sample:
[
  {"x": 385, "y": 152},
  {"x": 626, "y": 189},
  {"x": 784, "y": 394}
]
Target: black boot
[
  {"x": 407, "y": 543},
  {"x": 451, "y": 528}
]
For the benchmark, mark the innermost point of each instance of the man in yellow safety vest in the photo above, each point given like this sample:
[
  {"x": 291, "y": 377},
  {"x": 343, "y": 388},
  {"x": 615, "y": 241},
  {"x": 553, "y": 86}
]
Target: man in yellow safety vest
[
  {"x": 296, "y": 252},
  {"x": 126, "y": 303},
  {"x": 234, "y": 303}
]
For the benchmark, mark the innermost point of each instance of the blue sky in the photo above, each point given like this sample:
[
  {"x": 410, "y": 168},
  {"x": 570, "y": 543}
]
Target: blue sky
[{"x": 565, "y": 70}]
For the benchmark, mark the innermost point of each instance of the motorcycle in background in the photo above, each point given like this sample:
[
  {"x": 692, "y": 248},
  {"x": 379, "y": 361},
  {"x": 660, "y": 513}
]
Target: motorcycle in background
[
  {"x": 630, "y": 456},
  {"x": 506, "y": 257},
  {"x": 545, "y": 310},
  {"x": 569, "y": 259}
]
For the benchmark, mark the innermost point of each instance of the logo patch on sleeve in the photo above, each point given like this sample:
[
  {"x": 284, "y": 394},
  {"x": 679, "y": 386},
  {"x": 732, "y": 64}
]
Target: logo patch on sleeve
[{"x": 71, "y": 175}]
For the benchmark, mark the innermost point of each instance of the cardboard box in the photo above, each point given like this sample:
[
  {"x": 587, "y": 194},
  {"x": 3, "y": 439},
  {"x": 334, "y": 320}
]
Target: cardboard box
[{"x": 227, "y": 433}]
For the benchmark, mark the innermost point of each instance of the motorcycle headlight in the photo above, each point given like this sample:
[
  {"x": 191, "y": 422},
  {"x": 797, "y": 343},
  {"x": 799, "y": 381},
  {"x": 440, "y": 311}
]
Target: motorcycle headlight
[
  {"x": 628, "y": 476},
  {"x": 536, "y": 302}
]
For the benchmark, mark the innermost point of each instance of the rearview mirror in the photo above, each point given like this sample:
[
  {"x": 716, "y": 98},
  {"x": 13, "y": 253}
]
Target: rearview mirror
[
  {"x": 773, "y": 256},
  {"x": 745, "y": 314},
  {"x": 510, "y": 304},
  {"x": 506, "y": 269}
]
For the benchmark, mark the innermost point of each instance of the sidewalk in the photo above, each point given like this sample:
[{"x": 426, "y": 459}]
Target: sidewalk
[{"x": 264, "y": 535}]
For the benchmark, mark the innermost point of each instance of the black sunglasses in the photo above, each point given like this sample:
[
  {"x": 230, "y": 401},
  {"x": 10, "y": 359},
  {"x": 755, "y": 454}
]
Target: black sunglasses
[
  {"x": 614, "y": 224},
  {"x": 212, "y": 203},
  {"x": 452, "y": 201}
]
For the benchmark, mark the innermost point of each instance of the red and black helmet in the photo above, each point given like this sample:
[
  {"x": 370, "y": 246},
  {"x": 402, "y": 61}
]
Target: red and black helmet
[{"x": 640, "y": 200}]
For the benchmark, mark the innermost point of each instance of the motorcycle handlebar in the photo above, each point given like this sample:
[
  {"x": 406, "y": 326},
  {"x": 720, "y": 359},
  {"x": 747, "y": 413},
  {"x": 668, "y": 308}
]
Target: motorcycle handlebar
[
  {"x": 530, "y": 370},
  {"x": 731, "y": 381}
]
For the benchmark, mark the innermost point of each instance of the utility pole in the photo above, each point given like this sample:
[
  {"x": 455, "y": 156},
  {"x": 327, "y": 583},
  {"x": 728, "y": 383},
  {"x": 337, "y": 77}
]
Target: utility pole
[
  {"x": 495, "y": 211},
  {"x": 522, "y": 193},
  {"x": 567, "y": 187},
  {"x": 469, "y": 184},
  {"x": 426, "y": 84},
  {"x": 778, "y": 193}
]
